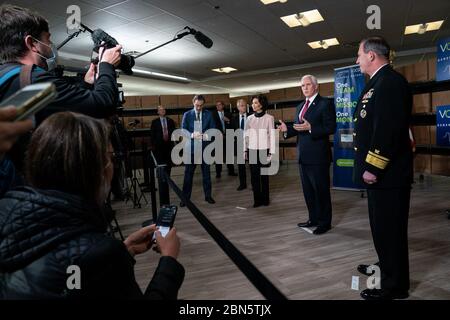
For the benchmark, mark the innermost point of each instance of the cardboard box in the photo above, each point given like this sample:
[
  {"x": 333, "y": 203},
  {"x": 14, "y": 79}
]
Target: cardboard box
[
  {"x": 288, "y": 114},
  {"x": 422, "y": 163},
  {"x": 326, "y": 89},
  {"x": 169, "y": 101},
  {"x": 421, "y": 134},
  {"x": 432, "y": 69},
  {"x": 150, "y": 101},
  {"x": 185, "y": 100},
  {"x": 422, "y": 103},
  {"x": 294, "y": 93},
  {"x": 440, "y": 99},
  {"x": 417, "y": 72},
  {"x": 440, "y": 165},
  {"x": 290, "y": 153},
  {"x": 276, "y": 95}
]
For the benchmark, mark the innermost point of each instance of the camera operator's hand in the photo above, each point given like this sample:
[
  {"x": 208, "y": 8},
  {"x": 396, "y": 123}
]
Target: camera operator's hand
[
  {"x": 169, "y": 245},
  {"x": 140, "y": 241},
  {"x": 90, "y": 74},
  {"x": 10, "y": 131},
  {"x": 111, "y": 56}
]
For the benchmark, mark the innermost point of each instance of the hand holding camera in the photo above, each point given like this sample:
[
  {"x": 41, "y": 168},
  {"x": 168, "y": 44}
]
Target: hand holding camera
[{"x": 112, "y": 55}]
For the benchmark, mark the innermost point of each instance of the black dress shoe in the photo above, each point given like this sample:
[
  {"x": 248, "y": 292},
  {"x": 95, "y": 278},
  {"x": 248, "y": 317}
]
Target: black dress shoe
[
  {"x": 362, "y": 268},
  {"x": 381, "y": 294},
  {"x": 321, "y": 230},
  {"x": 257, "y": 204},
  {"x": 266, "y": 203},
  {"x": 232, "y": 174},
  {"x": 240, "y": 188},
  {"x": 182, "y": 204},
  {"x": 210, "y": 200},
  {"x": 307, "y": 224}
]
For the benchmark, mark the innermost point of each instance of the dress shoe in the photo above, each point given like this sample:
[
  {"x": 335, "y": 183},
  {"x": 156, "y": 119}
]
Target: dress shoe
[
  {"x": 210, "y": 200},
  {"x": 266, "y": 203},
  {"x": 232, "y": 174},
  {"x": 362, "y": 268},
  {"x": 321, "y": 230},
  {"x": 240, "y": 188},
  {"x": 381, "y": 294},
  {"x": 257, "y": 204},
  {"x": 307, "y": 224},
  {"x": 182, "y": 204}
]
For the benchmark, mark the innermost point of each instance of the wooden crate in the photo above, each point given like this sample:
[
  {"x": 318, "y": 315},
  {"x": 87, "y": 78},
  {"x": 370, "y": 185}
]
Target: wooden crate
[
  {"x": 432, "y": 69},
  {"x": 421, "y": 134}
]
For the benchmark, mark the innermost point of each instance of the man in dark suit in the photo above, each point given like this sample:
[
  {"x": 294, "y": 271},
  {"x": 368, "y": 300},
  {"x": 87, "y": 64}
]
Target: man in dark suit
[
  {"x": 161, "y": 131},
  {"x": 384, "y": 165},
  {"x": 315, "y": 120},
  {"x": 222, "y": 119},
  {"x": 197, "y": 121},
  {"x": 238, "y": 122}
]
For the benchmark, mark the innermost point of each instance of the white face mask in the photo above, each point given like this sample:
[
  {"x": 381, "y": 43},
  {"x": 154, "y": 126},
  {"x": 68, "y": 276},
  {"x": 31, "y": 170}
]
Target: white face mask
[{"x": 50, "y": 61}]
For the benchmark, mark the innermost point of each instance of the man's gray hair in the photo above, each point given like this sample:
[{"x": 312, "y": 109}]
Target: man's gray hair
[
  {"x": 311, "y": 77},
  {"x": 378, "y": 45}
]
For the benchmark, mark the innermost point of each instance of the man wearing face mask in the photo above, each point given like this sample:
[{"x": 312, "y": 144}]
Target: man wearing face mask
[
  {"x": 27, "y": 55},
  {"x": 25, "y": 44}
]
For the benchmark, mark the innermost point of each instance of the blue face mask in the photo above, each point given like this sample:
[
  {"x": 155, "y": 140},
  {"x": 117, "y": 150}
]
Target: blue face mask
[{"x": 50, "y": 61}]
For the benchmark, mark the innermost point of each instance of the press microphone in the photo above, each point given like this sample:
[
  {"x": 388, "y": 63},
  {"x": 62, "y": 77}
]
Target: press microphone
[{"x": 200, "y": 37}]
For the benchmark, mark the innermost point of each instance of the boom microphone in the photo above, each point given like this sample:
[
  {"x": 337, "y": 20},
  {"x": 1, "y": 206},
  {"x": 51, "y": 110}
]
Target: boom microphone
[{"x": 200, "y": 37}]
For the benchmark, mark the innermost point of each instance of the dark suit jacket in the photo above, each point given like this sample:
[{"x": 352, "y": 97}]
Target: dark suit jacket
[
  {"x": 235, "y": 125},
  {"x": 217, "y": 121},
  {"x": 314, "y": 148},
  {"x": 161, "y": 148},
  {"x": 381, "y": 134},
  {"x": 188, "y": 124}
]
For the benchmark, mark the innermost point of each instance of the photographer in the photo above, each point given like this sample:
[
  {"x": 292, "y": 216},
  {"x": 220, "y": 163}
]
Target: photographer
[
  {"x": 59, "y": 222},
  {"x": 25, "y": 41}
]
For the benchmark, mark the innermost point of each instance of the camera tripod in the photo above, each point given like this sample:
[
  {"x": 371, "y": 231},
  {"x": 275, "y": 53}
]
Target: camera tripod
[{"x": 135, "y": 186}]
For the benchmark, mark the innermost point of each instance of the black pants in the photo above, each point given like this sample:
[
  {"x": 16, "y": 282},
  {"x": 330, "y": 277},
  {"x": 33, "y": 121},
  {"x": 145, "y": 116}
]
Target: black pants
[
  {"x": 316, "y": 190},
  {"x": 242, "y": 175},
  {"x": 388, "y": 215},
  {"x": 260, "y": 183},
  {"x": 189, "y": 170},
  {"x": 230, "y": 168}
]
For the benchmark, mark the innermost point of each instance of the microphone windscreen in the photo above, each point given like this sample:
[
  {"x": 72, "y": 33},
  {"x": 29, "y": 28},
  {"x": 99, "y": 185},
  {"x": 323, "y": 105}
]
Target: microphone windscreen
[{"x": 204, "y": 40}]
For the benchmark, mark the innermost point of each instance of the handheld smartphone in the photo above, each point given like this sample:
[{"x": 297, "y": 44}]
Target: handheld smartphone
[
  {"x": 31, "y": 99},
  {"x": 166, "y": 219}
]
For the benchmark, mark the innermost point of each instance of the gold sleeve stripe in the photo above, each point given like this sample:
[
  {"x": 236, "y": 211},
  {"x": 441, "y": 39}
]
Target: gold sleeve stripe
[
  {"x": 378, "y": 156},
  {"x": 376, "y": 162}
]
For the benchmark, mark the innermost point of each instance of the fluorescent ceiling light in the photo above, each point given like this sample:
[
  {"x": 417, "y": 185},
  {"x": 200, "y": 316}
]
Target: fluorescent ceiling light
[
  {"x": 303, "y": 18},
  {"x": 421, "y": 28},
  {"x": 266, "y": 2},
  {"x": 324, "y": 44},
  {"x": 224, "y": 70},
  {"x": 158, "y": 74}
]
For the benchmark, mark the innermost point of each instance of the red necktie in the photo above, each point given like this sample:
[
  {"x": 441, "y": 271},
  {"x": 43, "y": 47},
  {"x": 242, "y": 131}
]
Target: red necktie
[
  {"x": 305, "y": 108},
  {"x": 165, "y": 132}
]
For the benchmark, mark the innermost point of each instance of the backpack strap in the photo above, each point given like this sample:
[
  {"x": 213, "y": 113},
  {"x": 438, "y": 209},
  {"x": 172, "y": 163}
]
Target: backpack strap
[
  {"x": 9, "y": 73},
  {"x": 25, "y": 75}
]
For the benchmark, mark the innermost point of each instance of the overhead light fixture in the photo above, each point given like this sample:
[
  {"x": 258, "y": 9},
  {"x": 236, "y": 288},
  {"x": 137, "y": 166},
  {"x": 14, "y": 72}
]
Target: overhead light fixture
[
  {"x": 266, "y": 2},
  {"x": 224, "y": 70},
  {"x": 303, "y": 18},
  {"x": 160, "y": 75},
  {"x": 324, "y": 44},
  {"x": 421, "y": 28}
]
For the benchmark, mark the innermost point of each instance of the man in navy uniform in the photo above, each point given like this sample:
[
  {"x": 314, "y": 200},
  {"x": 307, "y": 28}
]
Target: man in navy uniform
[{"x": 384, "y": 165}]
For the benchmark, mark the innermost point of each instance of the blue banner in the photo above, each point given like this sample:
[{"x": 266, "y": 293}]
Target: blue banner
[
  {"x": 443, "y": 126},
  {"x": 443, "y": 60},
  {"x": 349, "y": 83}
]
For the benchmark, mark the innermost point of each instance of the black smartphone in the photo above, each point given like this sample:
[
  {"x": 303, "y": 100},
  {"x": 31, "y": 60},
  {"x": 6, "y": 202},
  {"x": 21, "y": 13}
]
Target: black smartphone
[
  {"x": 31, "y": 99},
  {"x": 166, "y": 219}
]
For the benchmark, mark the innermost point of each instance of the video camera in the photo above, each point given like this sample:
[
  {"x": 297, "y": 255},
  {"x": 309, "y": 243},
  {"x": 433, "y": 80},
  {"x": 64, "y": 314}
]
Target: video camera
[{"x": 102, "y": 39}]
